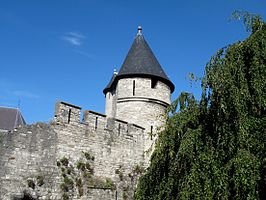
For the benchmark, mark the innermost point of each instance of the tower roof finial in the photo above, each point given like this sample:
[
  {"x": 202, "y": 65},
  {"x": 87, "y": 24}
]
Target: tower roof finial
[{"x": 139, "y": 30}]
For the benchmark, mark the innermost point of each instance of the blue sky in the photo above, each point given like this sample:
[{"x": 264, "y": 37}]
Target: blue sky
[{"x": 67, "y": 50}]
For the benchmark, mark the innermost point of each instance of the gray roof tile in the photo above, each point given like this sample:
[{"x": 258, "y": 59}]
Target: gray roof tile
[{"x": 10, "y": 118}]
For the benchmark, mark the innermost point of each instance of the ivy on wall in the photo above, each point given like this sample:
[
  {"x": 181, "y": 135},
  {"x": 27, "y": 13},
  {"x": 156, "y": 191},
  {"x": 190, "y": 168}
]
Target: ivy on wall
[{"x": 78, "y": 178}]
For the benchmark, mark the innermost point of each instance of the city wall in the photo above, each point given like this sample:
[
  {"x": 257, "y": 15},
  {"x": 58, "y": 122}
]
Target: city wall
[{"x": 93, "y": 158}]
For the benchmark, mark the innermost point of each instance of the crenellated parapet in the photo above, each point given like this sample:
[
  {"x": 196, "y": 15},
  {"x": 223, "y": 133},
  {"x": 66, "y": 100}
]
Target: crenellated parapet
[
  {"x": 69, "y": 114},
  {"x": 32, "y": 153}
]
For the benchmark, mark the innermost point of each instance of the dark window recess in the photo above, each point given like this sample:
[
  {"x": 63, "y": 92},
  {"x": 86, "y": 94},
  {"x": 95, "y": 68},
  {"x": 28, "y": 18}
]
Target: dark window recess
[
  {"x": 119, "y": 129},
  {"x": 96, "y": 122},
  {"x": 153, "y": 83},
  {"x": 134, "y": 85},
  {"x": 69, "y": 116},
  {"x": 151, "y": 131}
]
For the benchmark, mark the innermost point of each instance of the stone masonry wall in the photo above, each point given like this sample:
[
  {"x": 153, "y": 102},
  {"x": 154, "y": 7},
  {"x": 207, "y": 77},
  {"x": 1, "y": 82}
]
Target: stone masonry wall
[
  {"x": 145, "y": 107},
  {"x": 99, "y": 158},
  {"x": 27, "y": 153},
  {"x": 143, "y": 89},
  {"x": 152, "y": 117}
]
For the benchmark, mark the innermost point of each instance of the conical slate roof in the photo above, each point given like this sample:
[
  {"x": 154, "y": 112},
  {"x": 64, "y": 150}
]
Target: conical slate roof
[
  {"x": 110, "y": 84},
  {"x": 140, "y": 62}
]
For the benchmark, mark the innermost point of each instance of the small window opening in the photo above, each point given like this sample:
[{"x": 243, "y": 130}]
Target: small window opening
[
  {"x": 134, "y": 85},
  {"x": 96, "y": 123},
  {"x": 151, "y": 131},
  {"x": 69, "y": 116},
  {"x": 119, "y": 129},
  {"x": 109, "y": 95},
  {"x": 153, "y": 83}
]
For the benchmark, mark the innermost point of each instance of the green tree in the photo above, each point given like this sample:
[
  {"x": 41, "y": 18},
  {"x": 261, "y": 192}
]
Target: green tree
[{"x": 216, "y": 148}]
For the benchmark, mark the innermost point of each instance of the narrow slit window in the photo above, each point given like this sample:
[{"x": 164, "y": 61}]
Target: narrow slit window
[
  {"x": 134, "y": 85},
  {"x": 69, "y": 116},
  {"x": 151, "y": 131},
  {"x": 153, "y": 83},
  {"x": 119, "y": 129},
  {"x": 96, "y": 122}
]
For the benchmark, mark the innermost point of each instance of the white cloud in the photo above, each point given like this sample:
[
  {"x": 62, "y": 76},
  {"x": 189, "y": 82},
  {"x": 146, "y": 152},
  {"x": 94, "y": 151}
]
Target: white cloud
[
  {"x": 74, "y": 38},
  {"x": 75, "y": 34},
  {"x": 27, "y": 94}
]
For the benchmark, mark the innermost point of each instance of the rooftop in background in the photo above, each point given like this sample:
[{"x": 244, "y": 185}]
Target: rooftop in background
[{"x": 10, "y": 118}]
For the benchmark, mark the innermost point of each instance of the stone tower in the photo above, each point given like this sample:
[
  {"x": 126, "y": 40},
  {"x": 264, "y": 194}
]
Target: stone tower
[{"x": 140, "y": 92}]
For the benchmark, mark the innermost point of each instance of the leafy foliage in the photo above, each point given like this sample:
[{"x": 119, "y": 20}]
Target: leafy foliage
[{"x": 215, "y": 148}]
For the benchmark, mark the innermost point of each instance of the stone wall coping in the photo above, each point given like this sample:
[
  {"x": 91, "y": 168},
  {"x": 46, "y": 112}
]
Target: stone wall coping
[
  {"x": 96, "y": 113},
  {"x": 137, "y": 126},
  {"x": 125, "y": 122},
  {"x": 119, "y": 120},
  {"x": 71, "y": 105}
]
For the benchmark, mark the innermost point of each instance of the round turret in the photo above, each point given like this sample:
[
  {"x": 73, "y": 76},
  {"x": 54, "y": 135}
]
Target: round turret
[
  {"x": 141, "y": 91},
  {"x": 142, "y": 101}
]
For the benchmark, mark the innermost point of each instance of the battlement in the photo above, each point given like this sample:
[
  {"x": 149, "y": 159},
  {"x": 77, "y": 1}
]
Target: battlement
[{"x": 66, "y": 113}]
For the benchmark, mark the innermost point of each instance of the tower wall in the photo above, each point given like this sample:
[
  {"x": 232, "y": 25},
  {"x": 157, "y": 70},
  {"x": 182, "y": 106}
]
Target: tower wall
[
  {"x": 110, "y": 104},
  {"x": 143, "y": 101},
  {"x": 143, "y": 88},
  {"x": 139, "y": 103}
]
